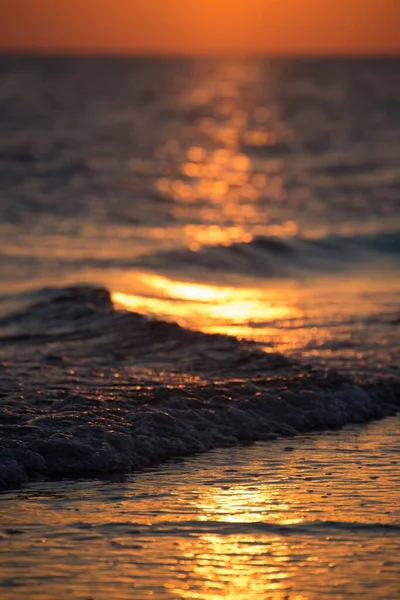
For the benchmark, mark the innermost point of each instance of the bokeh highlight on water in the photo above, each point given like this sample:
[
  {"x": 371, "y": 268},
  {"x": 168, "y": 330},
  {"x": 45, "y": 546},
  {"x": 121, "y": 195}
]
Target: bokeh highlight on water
[{"x": 122, "y": 172}]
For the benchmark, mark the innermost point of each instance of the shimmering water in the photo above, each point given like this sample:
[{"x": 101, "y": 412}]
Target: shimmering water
[
  {"x": 256, "y": 200},
  {"x": 225, "y": 195},
  {"x": 315, "y": 518}
]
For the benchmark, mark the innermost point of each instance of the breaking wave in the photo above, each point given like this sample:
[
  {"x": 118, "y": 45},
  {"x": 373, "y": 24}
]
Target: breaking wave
[
  {"x": 281, "y": 257},
  {"x": 86, "y": 389}
]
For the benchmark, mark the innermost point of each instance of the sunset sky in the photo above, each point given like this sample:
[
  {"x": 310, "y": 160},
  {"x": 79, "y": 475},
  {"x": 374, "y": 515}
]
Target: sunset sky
[{"x": 201, "y": 26}]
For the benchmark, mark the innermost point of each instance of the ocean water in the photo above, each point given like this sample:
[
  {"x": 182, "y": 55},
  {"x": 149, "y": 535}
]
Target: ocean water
[{"x": 199, "y": 254}]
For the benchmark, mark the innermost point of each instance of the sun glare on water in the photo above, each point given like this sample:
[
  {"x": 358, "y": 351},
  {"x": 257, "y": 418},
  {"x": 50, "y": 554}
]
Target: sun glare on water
[{"x": 205, "y": 307}]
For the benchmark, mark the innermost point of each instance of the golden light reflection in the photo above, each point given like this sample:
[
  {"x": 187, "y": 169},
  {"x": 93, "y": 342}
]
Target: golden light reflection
[
  {"x": 236, "y": 567},
  {"x": 196, "y": 154},
  {"x": 246, "y": 504},
  {"x": 244, "y": 565},
  {"x": 205, "y": 307},
  {"x": 275, "y": 314},
  {"x": 214, "y": 234}
]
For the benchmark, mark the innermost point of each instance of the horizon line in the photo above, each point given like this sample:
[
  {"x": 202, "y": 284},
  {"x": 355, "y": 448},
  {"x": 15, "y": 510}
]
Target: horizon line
[{"x": 102, "y": 53}]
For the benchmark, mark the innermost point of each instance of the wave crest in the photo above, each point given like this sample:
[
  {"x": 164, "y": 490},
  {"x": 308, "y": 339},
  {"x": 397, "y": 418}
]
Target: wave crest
[
  {"x": 282, "y": 257},
  {"x": 86, "y": 389}
]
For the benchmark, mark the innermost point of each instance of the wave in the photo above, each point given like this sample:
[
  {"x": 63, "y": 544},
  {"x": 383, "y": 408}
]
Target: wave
[
  {"x": 196, "y": 527},
  {"x": 267, "y": 257},
  {"x": 281, "y": 257},
  {"x": 86, "y": 389}
]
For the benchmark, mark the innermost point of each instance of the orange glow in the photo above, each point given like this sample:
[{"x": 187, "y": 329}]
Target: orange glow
[
  {"x": 244, "y": 504},
  {"x": 202, "y": 26},
  {"x": 201, "y": 306},
  {"x": 210, "y": 528},
  {"x": 230, "y": 577}
]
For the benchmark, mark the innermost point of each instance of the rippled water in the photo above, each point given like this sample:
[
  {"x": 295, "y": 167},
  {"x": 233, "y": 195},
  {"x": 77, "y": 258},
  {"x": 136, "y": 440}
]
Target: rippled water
[
  {"x": 196, "y": 190},
  {"x": 318, "y": 518},
  {"x": 253, "y": 200}
]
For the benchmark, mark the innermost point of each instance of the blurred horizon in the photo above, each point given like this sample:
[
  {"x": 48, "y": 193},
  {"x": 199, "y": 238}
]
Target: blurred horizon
[
  {"x": 26, "y": 53},
  {"x": 177, "y": 28}
]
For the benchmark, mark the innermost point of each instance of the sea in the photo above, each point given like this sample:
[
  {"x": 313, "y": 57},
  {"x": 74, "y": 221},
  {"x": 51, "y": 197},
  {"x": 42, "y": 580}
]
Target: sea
[{"x": 199, "y": 328}]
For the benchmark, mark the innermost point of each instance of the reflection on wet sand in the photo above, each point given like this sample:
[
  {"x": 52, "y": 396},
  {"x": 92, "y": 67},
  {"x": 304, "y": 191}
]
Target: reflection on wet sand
[
  {"x": 307, "y": 524},
  {"x": 235, "y": 567},
  {"x": 246, "y": 504},
  {"x": 238, "y": 564}
]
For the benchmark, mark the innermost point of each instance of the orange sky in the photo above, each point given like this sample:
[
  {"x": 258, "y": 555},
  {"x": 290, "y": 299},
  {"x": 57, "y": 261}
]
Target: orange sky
[{"x": 201, "y": 26}]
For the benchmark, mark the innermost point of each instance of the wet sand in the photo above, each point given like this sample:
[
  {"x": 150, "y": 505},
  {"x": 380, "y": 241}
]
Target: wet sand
[{"x": 318, "y": 518}]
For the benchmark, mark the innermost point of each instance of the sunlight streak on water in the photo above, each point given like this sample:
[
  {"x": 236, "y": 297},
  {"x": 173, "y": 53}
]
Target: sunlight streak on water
[
  {"x": 245, "y": 504},
  {"x": 201, "y": 306},
  {"x": 234, "y": 567},
  {"x": 324, "y": 319}
]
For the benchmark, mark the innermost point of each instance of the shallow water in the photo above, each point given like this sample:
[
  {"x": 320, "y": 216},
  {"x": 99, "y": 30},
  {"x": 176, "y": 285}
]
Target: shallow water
[{"x": 317, "y": 517}]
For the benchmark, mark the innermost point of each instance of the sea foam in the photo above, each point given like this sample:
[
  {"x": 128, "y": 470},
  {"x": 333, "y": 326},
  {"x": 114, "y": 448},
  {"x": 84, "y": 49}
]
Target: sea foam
[{"x": 89, "y": 390}]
